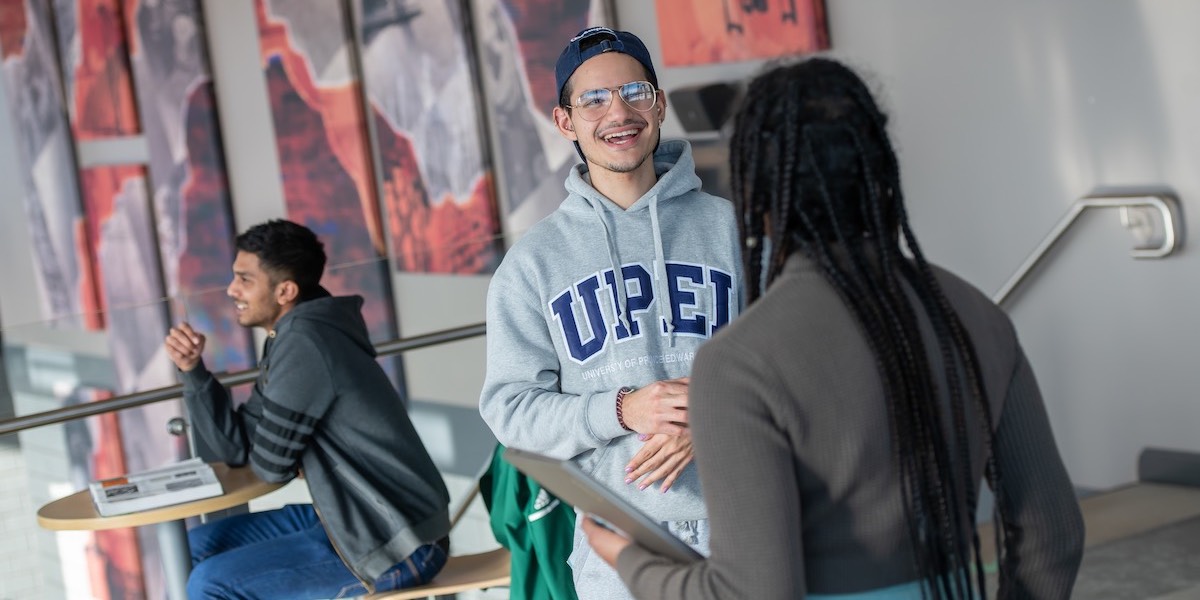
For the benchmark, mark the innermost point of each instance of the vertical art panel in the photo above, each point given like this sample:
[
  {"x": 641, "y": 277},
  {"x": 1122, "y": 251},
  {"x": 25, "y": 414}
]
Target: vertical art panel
[
  {"x": 701, "y": 32},
  {"x": 96, "y": 263},
  {"x": 120, "y": 223},
  {"x": 321, "y": 136},
  {"x": 120, "y": 220},
  {"x": 194, "y": 220},
  {"x": 47, "y": 164},
  {"x": 519, "y": 41},
  {"x": 95, "y": 60},
  {"x": 437, "y": 188}
]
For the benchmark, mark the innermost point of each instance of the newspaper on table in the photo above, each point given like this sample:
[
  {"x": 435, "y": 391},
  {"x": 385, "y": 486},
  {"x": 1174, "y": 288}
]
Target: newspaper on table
[{"x": 184, "y": 481}]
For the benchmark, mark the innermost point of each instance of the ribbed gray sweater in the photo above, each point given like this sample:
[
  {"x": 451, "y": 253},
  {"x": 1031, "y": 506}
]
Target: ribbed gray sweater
[{"x": 793, "y": 447}]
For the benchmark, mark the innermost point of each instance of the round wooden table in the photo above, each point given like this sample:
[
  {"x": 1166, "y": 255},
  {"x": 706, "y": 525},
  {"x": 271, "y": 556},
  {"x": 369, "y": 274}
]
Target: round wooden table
[{"x": 76, "y": 512}]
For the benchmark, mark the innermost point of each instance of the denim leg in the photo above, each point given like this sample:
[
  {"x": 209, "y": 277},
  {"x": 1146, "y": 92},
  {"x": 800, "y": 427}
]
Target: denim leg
[
  {"x": 286, "y": 555},
  {"x": 241, "y": 530},
  {"x": 292, "y": 566},
  {"x": 420, "y": 567}
]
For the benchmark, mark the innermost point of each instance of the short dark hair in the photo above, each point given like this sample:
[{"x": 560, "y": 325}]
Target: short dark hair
[{"x": 286, "y": 251}]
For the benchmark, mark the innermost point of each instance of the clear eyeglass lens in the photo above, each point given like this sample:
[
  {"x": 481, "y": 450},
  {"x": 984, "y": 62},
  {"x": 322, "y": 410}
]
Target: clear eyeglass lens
[
  {"x": 594, "y": 100},
  {"x": 639, "y": 95}
]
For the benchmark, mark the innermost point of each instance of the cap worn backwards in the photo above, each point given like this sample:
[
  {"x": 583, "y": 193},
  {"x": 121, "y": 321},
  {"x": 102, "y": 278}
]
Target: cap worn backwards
[{"x": 597, "y": 40}]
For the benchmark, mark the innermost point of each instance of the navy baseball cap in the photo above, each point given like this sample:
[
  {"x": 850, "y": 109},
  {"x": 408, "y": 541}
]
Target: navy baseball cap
[{"x": 598, "y": 40}]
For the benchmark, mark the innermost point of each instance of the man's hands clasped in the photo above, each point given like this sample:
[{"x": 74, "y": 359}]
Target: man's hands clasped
[
  {"x": 660, "y": 407},
  {"x": 659, "y": 413}
]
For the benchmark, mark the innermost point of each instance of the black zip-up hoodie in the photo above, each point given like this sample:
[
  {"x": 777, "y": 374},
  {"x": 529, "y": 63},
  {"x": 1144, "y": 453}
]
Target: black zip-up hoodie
[{"x": 323, "y": 404}]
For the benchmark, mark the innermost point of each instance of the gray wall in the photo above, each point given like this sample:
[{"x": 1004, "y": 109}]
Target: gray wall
[{"x": 1004, "y": 113}]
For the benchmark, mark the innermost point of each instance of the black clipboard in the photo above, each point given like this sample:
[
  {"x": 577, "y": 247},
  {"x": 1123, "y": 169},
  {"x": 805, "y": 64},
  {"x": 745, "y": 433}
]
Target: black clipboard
[{"x": 570, "y": 483}]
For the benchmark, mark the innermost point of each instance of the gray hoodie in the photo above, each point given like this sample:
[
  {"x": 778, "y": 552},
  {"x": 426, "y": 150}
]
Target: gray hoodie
[{"x": 558, "y": 349}]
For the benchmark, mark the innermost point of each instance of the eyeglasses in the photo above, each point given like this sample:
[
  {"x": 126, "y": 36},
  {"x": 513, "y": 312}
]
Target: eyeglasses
[{"x": 638, "y": 95}]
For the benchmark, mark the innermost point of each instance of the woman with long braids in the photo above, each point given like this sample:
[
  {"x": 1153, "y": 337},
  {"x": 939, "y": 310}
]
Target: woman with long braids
[{"x": 844, "y": 424}]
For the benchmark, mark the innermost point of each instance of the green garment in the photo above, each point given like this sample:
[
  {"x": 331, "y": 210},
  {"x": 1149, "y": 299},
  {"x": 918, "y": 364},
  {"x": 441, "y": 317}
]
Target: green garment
[{"x": 536, "y": 527}]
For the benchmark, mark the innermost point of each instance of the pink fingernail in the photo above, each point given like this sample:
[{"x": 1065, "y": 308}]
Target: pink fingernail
[
  {"x": 628, "y": 469},
  {"x": 629, "y": 480},
  {"x": 643, "y": 486}
]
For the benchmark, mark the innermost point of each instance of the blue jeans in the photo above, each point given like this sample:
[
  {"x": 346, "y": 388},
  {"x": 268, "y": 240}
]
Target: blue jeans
[{"x": 286, "y": 554}]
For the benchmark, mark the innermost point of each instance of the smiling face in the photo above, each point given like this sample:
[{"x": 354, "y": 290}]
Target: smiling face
[
  {"x": 622, "y": 139},
  {"x": 260, "y": 302}
]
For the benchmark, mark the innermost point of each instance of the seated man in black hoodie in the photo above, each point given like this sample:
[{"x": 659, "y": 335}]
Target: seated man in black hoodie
[{"x": 321, "y": 406}]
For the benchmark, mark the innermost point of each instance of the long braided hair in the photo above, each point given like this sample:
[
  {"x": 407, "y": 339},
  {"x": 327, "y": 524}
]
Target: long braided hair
[{"x": 811, "y": 161}]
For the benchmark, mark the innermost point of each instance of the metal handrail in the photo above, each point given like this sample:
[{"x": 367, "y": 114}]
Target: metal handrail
[
  {"x": 1169, "y": 237},
  {"x": 79, "y": 411}
]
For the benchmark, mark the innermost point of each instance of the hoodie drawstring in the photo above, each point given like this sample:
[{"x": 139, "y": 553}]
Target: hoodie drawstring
[
  {"x": 660, "y": 272},
  {"x": 618, "y": 276}
]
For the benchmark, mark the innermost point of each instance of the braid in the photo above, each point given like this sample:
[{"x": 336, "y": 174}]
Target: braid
[
  {"x": 780, "y": 209},
  {"x": 961, "y": 355},
  {"x": 892, "y": 321},
  {"x": 948, "y": 325},
  {"x": 945, "y": 489},
  {"x": 810, "y": 153},
  {"x": 1001, "y": 513},
  {"x": 744, "y": 165}
]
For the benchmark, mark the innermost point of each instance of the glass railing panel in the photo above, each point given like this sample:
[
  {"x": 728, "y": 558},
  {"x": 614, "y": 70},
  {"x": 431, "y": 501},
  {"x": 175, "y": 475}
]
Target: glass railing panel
[{"x": 55, "y": 364}]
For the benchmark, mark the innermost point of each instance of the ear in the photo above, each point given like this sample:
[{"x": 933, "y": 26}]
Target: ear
[
  {"x": 662, "y": 106},
  {"x": 562, "y": 120},
  {"x": 287, "y": 292}
]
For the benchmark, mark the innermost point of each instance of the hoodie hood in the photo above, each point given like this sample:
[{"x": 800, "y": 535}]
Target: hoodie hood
[
  {"x": 673, "y": 165},
  {"x": 341, "y": 313},
  {"x": 676, "y": 173}
]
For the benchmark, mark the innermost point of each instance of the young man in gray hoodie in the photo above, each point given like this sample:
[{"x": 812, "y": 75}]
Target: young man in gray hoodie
[
  {"x": 595, "y": 315},
  {"x": 321, "y": 406}
]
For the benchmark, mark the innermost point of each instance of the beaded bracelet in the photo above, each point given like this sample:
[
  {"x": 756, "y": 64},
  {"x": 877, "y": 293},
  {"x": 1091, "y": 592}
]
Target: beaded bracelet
[{"x": 621, "y": 393}]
